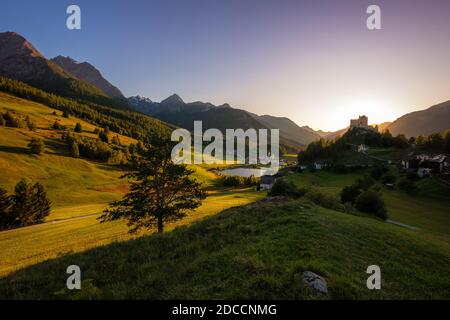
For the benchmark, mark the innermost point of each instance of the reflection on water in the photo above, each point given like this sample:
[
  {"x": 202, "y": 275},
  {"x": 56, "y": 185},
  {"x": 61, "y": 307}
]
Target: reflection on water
[{"x": 247, "y": 172}]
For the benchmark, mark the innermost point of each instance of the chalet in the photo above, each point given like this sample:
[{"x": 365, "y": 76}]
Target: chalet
[{"x": 267, "y": 182}]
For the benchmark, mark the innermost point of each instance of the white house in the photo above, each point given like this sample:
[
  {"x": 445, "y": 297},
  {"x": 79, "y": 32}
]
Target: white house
[{"x": 266, "y": 182}]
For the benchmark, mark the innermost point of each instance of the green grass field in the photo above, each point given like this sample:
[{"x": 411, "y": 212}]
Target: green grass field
[
  {"x": 79, "y": 190},
  {"x": 253, "y": 252},
  {"x": 427, "y": 209}
]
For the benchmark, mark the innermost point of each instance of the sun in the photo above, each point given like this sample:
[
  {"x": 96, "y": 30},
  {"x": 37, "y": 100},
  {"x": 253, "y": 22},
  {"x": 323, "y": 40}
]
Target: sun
[{"x": 377, "y": 110}]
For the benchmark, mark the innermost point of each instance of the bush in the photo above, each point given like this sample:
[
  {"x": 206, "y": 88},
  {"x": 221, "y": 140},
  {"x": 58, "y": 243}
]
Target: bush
[
  {"x": 78, "y": 128},
  {"x": 372, "y": 203},
  {"x": 364, "y": 182},
  {"x": 36, "y": 146},
  {"x": 236, "y": 181},
  {"x": 349, "y": 194},
  {"x": 324, "y": 200},
  {"x": 12, "y": 121},
  {"x": 283, "y": 187}
]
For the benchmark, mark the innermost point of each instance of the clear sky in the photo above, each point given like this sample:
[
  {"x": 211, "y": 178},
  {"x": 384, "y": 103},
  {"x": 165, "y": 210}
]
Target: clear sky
[{"x": 312, "y": 61}]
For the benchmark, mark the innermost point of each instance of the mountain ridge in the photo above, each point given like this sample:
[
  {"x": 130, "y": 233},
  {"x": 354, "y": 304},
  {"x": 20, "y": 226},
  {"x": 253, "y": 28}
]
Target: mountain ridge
[{"x": 87, "y": 72}]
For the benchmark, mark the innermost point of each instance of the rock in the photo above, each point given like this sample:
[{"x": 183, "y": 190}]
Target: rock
[{"x": 315, "y": 282}]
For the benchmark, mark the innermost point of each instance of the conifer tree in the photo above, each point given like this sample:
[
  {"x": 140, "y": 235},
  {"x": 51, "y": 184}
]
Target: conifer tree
[
  {"x": 74, "y": 150},
  {"x": 36, "y": 146},
  {"x": 23, "y": 207},
  {"x": 41, "y": 203},
  {"x": 5, "y": 207},
  {"x": 160, "y": 192},
  {"x": 78, "y": 128}
]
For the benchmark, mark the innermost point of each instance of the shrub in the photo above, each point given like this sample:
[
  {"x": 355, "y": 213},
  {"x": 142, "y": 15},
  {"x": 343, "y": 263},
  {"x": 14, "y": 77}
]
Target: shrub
[
  {"x": 236, "y": 181},
  {"x": 324, "y": 200},
  {"x": 36, "y": 146},
  {"x": 364, "y": 182},
  {"x": 349, "y": 194},
  {"x": 31, "y": 126},
  {"x": 12, "y": 121},
  {"x": 78, "y": 128},
  {"x": 372, "y": 203},
  {"x": 74, "y": 150},
  {"x": 283, "y": 187}
]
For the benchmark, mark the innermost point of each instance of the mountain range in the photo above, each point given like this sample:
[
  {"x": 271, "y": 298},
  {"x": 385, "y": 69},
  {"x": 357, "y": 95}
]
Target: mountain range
[
  {"x": 65, "y": 76},
  {"x": 174, "y": 110},
  {"x": 88, "y": 73}
]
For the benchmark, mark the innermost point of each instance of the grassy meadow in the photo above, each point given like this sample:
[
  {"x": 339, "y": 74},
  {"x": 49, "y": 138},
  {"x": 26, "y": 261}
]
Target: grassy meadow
[
  {"x": 255, "y": 251},
  {"x": 79, "y": 189}
]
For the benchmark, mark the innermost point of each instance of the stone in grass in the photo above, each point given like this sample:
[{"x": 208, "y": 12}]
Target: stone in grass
[{"x": 315, "y": 282}]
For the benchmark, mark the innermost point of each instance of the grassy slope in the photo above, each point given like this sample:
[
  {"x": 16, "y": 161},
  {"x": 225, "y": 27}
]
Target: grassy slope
[
  {"x": 428, "y": 209},
  {"x": 77, "y": 187},
  {"x": 256, "y": 251},
  {"x": 96, "y": 183}
]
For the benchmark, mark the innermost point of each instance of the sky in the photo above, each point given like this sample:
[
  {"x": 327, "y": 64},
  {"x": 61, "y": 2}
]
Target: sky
[{"x": 313, "y": 61}]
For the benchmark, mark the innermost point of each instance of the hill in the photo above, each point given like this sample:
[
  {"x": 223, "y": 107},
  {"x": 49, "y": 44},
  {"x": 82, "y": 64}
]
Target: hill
[
  {"x": 20, "y": 60},
  {"x": 88, "y": 73},
  {"x": 79, "y": 188},
  {"x": 258, "y": 251},
  {"x": 123, "y": 121},
  {"x": 289, "y": 129},
  {"x": 424, "y": 122}
]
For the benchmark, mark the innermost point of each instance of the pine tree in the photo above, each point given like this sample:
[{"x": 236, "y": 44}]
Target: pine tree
[
  {"x": 41, "y": 203},
  {"x": 74, "y": 150},
  {"x": 56, "y": 125},
  {"x": 5, "y": 207},
  {"x": 115, "y": 140},
  {"x": 23, "y": 208},
  {"x": 160, "y": 192},
  {"x": 36, "y": 146},
  {"x": 31, "y": 126},
  {"x": 103, "y": 136},
  {"x": 78, "y": 128}
]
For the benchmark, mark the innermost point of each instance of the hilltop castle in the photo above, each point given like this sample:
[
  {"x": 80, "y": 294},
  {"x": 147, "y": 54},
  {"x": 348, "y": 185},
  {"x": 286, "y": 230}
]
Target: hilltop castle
[{"x": 362, "y": 122}]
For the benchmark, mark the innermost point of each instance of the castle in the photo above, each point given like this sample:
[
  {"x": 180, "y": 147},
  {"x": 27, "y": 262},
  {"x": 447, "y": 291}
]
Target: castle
[{"x": 362, "y": 122}]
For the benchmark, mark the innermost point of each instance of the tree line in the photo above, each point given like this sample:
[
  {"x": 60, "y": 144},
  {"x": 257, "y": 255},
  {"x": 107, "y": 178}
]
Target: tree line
[
  {"x": 120, "y": 120},
  {"x": 330, "y": 149},
  {"x": 28, "y": 205}
]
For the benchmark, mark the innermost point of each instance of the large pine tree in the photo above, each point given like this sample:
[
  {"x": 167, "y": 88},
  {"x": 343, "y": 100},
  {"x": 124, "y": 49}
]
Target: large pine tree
[
  {"x": 160, "y": 192},
  {"x": 5, "y": 207},
  {"x": 41, "y": 203},
  {"x": 30, "y": 204},
  {"x": 24, "y": 205}
]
